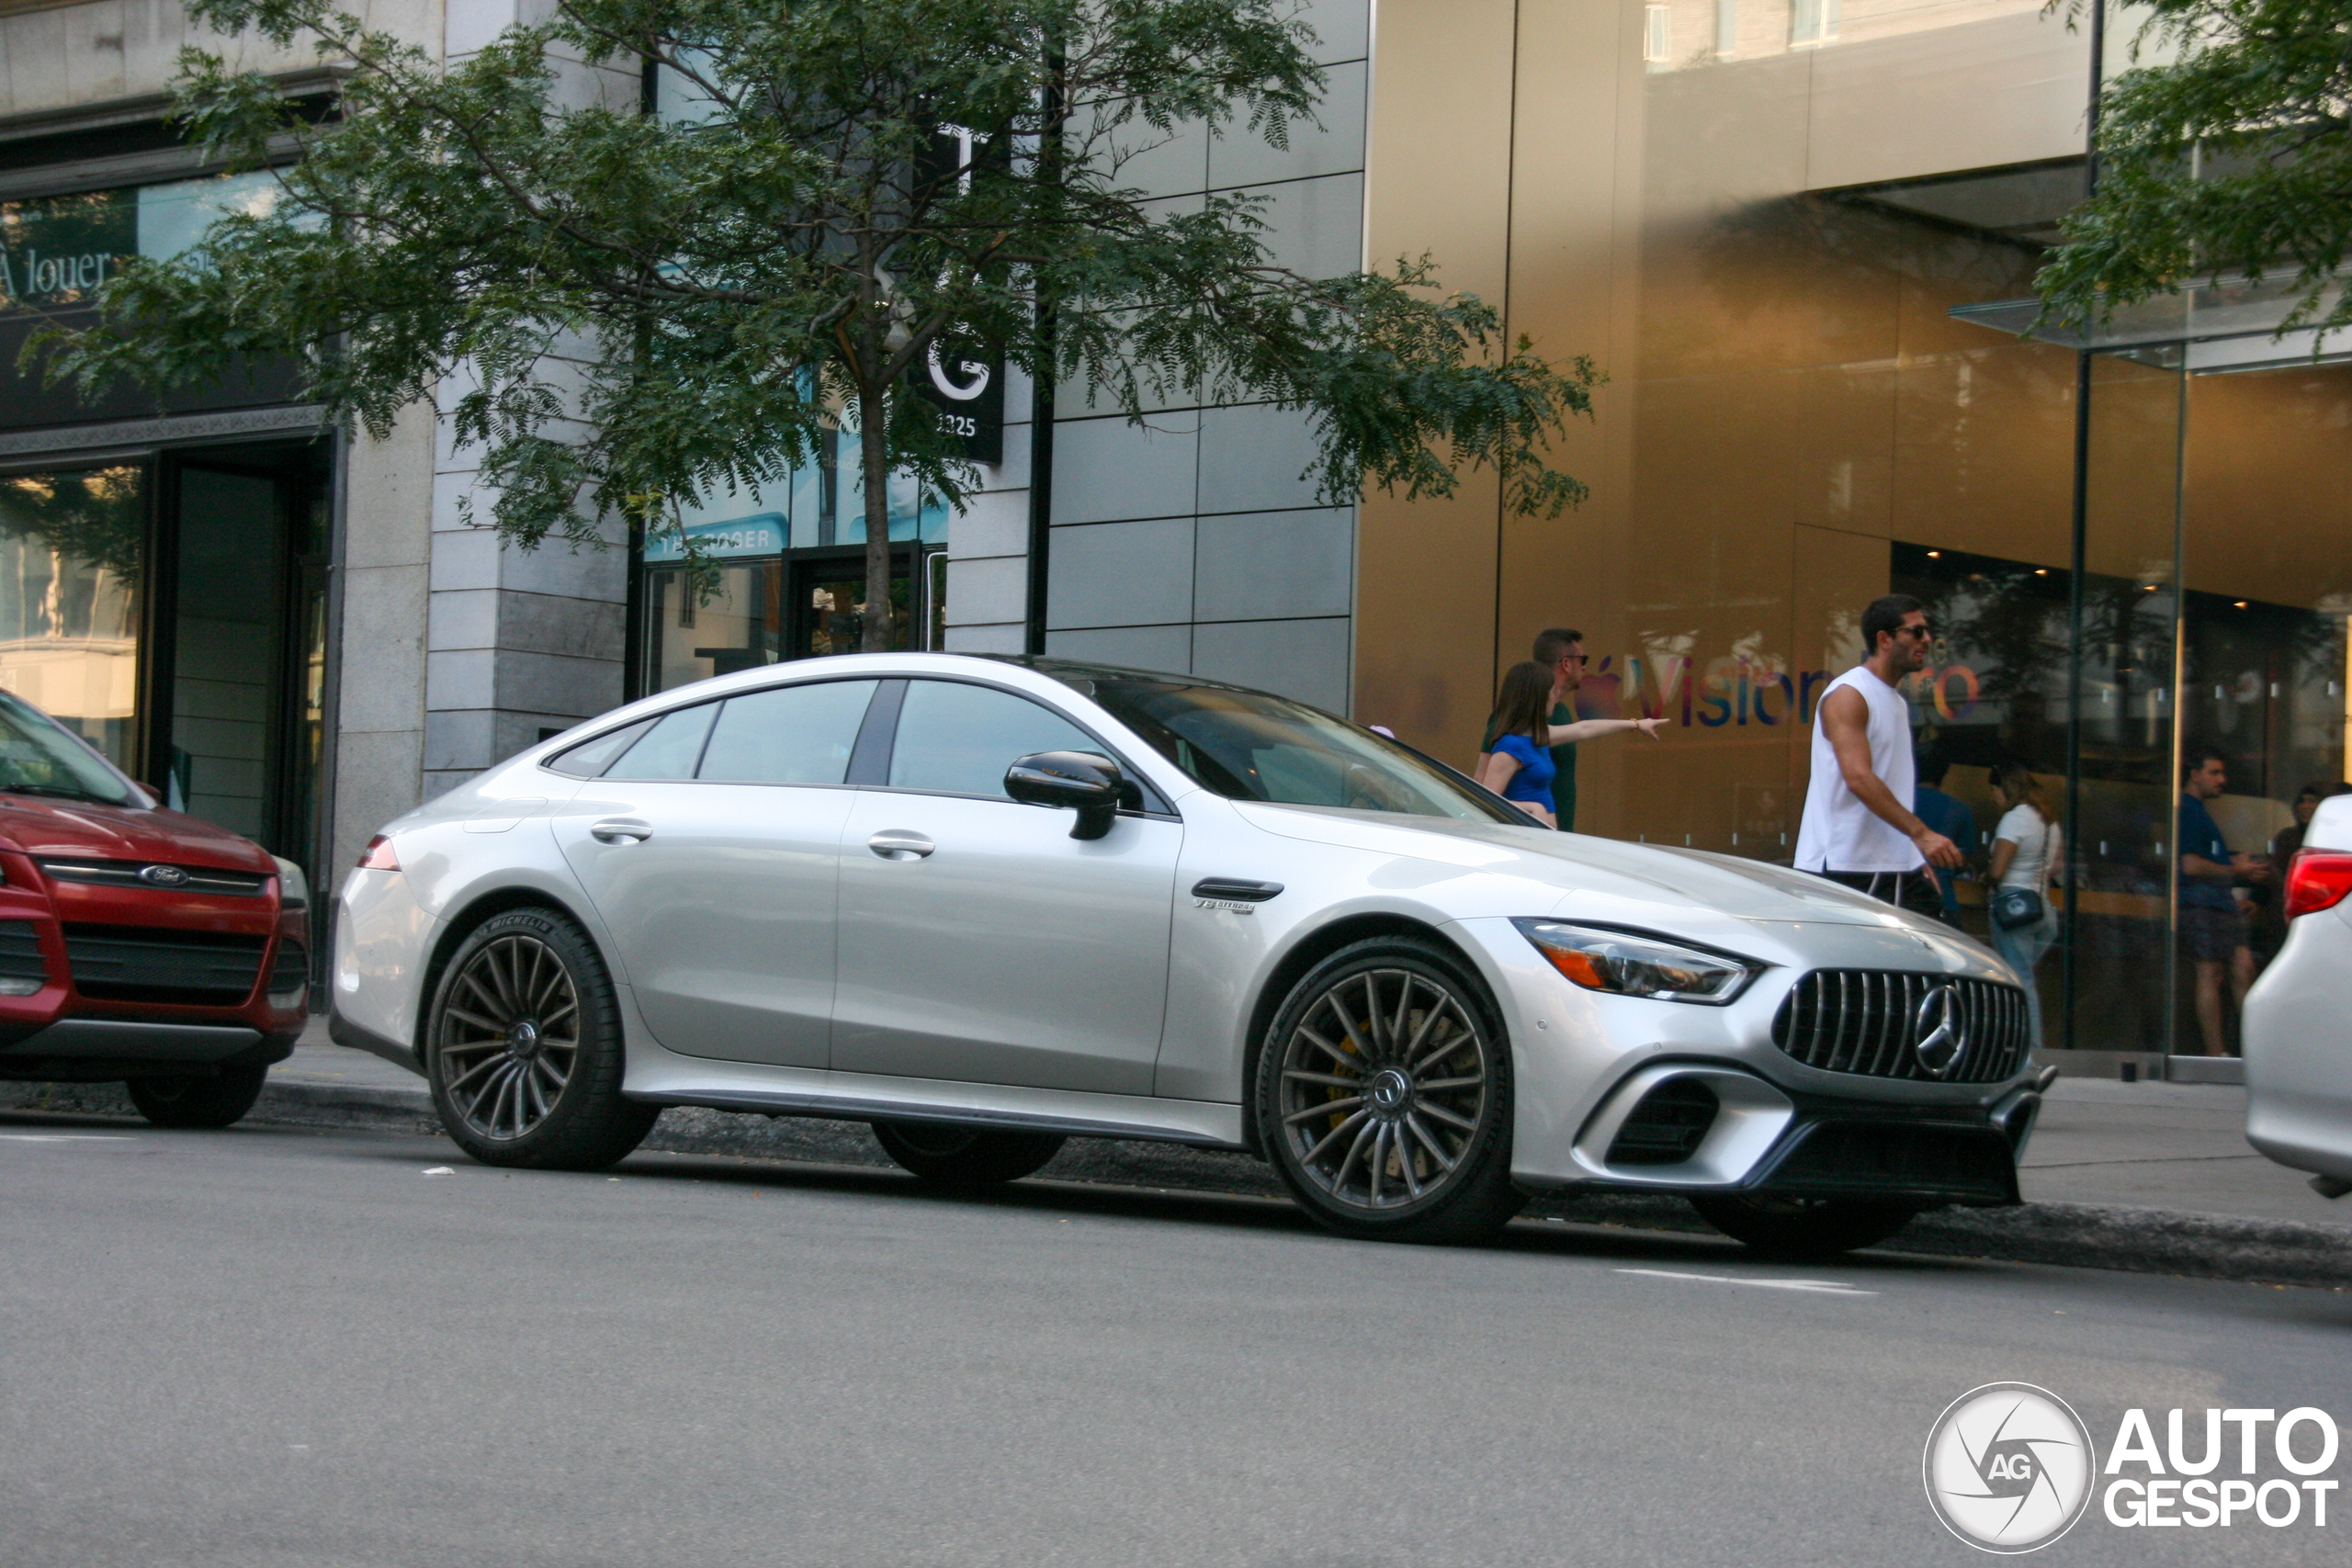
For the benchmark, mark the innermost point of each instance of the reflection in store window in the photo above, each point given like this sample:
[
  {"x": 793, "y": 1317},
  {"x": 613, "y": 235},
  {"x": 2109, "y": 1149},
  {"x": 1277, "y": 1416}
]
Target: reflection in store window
[
  {"x": 70, "y": 548},
  {"x": 56, "y": 250}
]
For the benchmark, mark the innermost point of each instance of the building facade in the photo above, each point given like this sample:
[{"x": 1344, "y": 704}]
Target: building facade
[{"x": 1792, "y": 233}]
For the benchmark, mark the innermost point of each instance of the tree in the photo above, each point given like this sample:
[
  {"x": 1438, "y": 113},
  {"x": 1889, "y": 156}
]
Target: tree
[
  {"x": 2232, "y": 160},
  {"x": 856, "y": 181}
]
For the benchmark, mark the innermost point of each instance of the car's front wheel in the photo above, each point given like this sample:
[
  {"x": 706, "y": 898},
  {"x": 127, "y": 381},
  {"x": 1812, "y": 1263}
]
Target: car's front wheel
[
  {"x": 214, "y": 1101},
  {"x": 524, "y": 1049},
  {"x": 1802, "y": 1227},
  {"x": 964, "y": 1157},
  {"x": 1383, "y": 1096}
]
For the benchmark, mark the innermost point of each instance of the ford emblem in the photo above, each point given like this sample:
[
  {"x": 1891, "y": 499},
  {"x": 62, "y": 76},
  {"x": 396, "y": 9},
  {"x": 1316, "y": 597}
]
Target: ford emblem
[{"x": 163, "y": 876}]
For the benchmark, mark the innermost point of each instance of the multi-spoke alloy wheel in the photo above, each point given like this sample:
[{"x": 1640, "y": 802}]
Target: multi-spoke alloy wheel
[
  {"x": 525, "y": 1050},
  {"x": 510, "y": 1033},
  {"x": 1383, "y": 1094}
]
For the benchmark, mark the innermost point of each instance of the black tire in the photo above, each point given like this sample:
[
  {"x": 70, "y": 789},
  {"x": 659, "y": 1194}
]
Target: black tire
[
  {"x": 524, "y": 1048},
  {"x": 215, "y": 1101},
  {"x": 965, "y": 1156},
  {"x": 1438, "y": 1119},
  {"x": 1802, "y": 1227}
]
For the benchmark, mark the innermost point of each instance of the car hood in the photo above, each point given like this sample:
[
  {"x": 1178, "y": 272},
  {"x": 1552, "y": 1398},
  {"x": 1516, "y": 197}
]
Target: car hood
[
  {"x": 38, "y": 825},
  {"x": 1578, "y": 864}
]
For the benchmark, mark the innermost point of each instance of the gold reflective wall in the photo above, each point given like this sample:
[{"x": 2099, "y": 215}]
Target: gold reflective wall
[{"x": 1758, "y": 215}]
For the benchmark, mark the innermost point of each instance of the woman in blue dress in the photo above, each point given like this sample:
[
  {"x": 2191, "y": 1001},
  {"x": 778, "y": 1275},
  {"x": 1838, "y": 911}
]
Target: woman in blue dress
[{"x": 1518, "y": 765}]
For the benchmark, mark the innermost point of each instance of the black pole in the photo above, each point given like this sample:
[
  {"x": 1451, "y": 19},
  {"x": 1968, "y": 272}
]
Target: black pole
[
  {"x": 1041, "y": 394},
  {"x": 2078, "y": 564}
]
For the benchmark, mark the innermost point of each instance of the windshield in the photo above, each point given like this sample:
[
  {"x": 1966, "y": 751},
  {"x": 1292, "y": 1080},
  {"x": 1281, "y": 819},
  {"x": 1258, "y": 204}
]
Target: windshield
[
  {"x": 1250, "y": 746},
  {"x": 38, "y": 757}
]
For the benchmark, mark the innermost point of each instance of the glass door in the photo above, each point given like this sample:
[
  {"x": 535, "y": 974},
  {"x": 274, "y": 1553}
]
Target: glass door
[
  {"x": 2267, "y": 569},
  {"x": 2116, "y": 938}
]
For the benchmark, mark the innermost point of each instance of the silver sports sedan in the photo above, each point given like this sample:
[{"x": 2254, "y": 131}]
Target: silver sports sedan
[{"x": 989, "y": 904}]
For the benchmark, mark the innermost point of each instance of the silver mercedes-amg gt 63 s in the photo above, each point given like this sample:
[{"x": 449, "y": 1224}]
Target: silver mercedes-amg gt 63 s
[{"x": 989, "y": 904}]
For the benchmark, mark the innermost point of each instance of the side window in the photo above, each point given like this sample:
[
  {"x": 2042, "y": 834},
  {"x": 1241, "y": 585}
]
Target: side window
[
  {"x": 591, "y": 758},
  {"x": 788, "y": 735},
  {"x": 669, "y": 750},
  {"x": 961, "y": 738}
]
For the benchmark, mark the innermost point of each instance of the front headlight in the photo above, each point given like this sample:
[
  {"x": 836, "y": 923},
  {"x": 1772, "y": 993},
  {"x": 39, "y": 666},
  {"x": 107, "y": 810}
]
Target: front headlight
[
  {"x": 293, "y": 887},
  {"x": 1635, "y": 963}
]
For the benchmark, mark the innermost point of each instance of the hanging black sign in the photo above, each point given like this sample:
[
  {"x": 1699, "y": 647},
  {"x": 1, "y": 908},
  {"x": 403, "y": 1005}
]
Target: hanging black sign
[{"x": 965, "y": 380}]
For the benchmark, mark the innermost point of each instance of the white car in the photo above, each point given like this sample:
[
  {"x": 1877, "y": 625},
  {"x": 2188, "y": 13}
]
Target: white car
[
  {"x": 2298, "y": 1047},
  {"x": 988, "y": 904}
]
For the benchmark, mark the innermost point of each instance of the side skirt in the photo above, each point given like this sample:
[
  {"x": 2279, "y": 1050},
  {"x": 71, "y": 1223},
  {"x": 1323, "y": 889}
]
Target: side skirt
[{"x": 865, "y": 1097}]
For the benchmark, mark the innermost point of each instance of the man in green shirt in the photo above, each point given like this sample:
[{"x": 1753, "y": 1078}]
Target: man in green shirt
[{"x": 1563, "y": 651}]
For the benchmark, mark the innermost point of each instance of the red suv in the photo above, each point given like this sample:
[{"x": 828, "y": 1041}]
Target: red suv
[{"x": 137, "y": 943}]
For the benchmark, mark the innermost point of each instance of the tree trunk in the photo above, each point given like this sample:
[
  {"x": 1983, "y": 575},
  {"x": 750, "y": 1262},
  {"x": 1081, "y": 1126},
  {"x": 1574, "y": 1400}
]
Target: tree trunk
[{"x": 873, "y": 441}]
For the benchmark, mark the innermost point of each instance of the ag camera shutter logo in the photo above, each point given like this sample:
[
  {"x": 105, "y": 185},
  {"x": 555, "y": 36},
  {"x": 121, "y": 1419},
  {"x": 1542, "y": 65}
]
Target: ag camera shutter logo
[{"x": 2008, "y": 1467}]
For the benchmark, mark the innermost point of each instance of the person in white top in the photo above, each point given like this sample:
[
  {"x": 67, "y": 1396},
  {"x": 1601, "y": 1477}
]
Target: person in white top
[
  {"x": 2029, "y": 853},
  {"x": 1858, "y": 827}
]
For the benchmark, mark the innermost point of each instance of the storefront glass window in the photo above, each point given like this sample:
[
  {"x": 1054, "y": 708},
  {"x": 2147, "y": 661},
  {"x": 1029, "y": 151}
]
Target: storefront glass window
[
  {"x": 787, "y": 572},
  {"x": 55, "y": 251},
  {"x": 71, "y": 543}
]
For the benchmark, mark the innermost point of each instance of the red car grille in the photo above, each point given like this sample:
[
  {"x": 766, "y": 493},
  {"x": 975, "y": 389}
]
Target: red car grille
[
  {"x": 125, "y": 873},
  {"x": 133, "y": 964}
]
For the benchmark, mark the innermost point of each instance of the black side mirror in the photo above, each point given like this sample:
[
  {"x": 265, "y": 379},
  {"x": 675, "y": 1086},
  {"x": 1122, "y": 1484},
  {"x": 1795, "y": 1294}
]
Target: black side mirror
[{"x": 1081, "y": 781}]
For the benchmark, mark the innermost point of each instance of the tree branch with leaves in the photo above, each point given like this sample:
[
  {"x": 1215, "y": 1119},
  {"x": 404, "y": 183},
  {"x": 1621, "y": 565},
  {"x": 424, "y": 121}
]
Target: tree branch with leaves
[
  {"x": 762, "y": 264},
  {"x": 2229, "y": 159}
]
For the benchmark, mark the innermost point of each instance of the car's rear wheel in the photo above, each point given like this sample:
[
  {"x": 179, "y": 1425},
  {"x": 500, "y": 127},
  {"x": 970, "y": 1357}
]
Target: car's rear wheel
[
  {"x": 524, "y": 1048},
  {"x": 965, "y": 1156},
  {"x": 214, "y": 1101},
  {"x": 1384, "y": 1093},
  {"x": 1802, "y": 1227}
]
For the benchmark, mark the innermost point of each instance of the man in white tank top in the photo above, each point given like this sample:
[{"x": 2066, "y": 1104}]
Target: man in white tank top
[{"x": 1858, "y": 827}]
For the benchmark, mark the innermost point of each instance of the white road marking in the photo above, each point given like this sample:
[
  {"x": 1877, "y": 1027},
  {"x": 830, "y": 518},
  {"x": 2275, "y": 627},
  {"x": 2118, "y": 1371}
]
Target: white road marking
[
  {"x": 69, "y": 1137},
  {"x": 1815, "y": 1287}
]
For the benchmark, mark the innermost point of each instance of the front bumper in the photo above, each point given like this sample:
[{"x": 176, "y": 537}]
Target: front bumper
[
  {"x": 1634, "y": 1095},
  {"x": 1700, "y": 1127},
  {"x": 120, "y": 988},
  {"x": 93, "y": 1050}
]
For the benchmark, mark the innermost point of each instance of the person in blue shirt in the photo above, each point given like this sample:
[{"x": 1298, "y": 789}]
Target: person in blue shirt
[
  {"x": 2213, "y": 928},
  {"x": 1519, "y": 764},
  {"x": 1947, "y": 815},
  {"x": 1530, "y": 718}
]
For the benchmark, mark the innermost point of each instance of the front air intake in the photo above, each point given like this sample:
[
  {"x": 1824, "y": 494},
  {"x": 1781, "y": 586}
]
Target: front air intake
[{"x": 1667, "y": 1126}]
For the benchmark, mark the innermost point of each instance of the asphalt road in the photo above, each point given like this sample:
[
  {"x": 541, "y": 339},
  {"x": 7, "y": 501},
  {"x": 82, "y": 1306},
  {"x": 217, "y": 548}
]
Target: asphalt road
[{"x": 284, "y": 1346}]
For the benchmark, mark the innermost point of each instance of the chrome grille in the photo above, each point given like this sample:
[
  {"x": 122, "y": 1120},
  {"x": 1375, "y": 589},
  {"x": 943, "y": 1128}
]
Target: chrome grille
[
  {"x": 125, "y": 873},
  {"x": 1865, "y": 1021}
]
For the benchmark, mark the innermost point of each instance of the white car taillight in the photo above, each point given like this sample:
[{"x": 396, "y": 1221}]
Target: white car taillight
[{"x": 2317, "y": 879}]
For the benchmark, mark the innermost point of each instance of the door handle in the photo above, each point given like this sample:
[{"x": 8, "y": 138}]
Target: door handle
[
  {"x": 899, "y": 843},
  {"x": 620, "y": 830}
]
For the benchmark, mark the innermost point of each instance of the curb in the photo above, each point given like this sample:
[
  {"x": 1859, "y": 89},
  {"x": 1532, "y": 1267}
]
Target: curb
[{"x": 2082, "y": 1236}]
